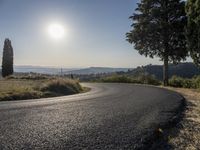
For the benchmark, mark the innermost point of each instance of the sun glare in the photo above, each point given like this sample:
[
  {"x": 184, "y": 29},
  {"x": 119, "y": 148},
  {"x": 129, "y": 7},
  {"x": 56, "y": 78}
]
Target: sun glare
[{"x": 56, "y": 31}]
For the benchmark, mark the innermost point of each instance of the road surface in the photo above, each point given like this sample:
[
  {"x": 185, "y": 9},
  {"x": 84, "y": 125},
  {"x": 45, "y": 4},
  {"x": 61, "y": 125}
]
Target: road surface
[{"x": 110, "y": 116}]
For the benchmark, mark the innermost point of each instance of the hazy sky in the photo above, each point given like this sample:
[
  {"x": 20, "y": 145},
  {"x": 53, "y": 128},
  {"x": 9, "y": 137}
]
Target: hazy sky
[{"x": 94, "y": 32}]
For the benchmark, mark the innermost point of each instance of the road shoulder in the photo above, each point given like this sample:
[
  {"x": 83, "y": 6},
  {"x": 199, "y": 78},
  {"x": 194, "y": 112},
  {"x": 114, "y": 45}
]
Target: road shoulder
[{"x": 185, "y": 135}]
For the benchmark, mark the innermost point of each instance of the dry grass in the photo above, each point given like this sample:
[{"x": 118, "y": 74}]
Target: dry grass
[
  {"x": 19, "y": 89},
  {"x": 186, "y": 135},
  {"x": 62, "y": 86}
]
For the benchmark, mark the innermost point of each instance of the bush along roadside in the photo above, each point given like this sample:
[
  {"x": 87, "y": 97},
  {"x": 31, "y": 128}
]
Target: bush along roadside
[
  {"x": 141, "y": 79},
  {"x": 180, "y": 82}
]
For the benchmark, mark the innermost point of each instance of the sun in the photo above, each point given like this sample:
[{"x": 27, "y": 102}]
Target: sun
[{"x": 56, "y": 30}]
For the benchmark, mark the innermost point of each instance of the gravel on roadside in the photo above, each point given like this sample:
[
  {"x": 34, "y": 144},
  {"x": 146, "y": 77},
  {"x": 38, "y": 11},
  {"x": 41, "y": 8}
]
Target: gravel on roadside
[{"x": 186, "y": 134}]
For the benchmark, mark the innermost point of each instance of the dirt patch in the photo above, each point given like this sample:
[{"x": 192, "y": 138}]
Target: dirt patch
[{"x": 186, "y": 134}]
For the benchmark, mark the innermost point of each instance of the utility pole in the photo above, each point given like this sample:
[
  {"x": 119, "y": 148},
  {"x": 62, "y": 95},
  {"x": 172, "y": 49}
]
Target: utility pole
[{"x": 61, "y": 72}]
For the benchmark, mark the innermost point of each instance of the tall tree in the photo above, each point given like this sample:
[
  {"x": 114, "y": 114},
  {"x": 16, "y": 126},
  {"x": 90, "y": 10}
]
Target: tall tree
[
  {"x": 7, "y": 60},
  {"x": 193, "y": 29},
  {"x": 158, "y": 30}
]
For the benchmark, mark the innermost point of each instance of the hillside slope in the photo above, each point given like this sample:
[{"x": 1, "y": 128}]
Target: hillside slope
[
  {"x": 96, "y": 70},
  {"x": 186, "y": 70}
]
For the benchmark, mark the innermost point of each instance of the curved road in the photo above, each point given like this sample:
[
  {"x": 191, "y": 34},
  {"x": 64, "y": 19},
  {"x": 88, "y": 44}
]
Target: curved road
[{"x": 110, "y": 116}]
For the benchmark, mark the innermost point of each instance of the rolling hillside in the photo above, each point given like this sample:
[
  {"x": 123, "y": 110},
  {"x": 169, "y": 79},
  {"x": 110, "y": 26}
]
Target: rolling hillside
[
  {"x": 186, "y": 70},
  {"x": 96, "y": 70}
]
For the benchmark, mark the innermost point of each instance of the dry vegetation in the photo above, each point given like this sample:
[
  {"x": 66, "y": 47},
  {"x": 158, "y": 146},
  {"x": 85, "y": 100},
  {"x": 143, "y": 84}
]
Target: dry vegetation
[
  {"x": 19, "y": 89},
  {"x": 186, "y": 134}
]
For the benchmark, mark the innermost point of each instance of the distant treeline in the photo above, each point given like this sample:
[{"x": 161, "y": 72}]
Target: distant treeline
[{"x": 184, "y": 70}]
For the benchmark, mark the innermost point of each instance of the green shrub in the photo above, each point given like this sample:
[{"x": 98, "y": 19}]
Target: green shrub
[
  {"x": 187, "y": 83},
  {"x": 117, "y": 79},
  {"x": 176, "y": 81},
  {"x": 196, "y": 82},
  {"x": 141, "y": 79},
  {"x": 147, "y": 79}
]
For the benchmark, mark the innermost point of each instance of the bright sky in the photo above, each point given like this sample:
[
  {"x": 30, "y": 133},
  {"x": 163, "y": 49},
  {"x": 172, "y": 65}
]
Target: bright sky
[{"x": 70, "y": 33}]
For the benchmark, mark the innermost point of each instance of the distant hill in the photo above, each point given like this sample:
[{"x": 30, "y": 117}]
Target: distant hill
[
  {"x": 96, "y": 70},
  {"x": 42, "y": 70},
  {"x": 54, "y": 70},
  {"x": 186, "y": 70}
]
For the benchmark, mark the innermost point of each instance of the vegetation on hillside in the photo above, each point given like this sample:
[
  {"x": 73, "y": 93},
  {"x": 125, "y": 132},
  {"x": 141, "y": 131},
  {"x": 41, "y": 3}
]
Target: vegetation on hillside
[
  {"x": 176, "y": 81},
  {"x": 141, "y": 79},
  {"x": 185, "y": 70}
]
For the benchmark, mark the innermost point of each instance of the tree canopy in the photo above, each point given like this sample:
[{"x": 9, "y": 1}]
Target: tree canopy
[
  {"x": 158, "y": 31},
  {"x": 193, "y": 29}
]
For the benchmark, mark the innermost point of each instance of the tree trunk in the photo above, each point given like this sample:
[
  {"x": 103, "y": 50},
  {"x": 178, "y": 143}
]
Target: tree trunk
[{"x": 165, "y": 72}]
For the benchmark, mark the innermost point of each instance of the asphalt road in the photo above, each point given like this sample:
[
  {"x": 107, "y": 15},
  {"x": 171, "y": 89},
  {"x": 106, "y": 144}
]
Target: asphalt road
[{"x": 110, "y": 116}]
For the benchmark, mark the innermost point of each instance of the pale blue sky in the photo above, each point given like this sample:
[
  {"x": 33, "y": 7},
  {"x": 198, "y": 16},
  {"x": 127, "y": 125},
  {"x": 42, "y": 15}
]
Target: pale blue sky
[{"x": 95, "y": 32}]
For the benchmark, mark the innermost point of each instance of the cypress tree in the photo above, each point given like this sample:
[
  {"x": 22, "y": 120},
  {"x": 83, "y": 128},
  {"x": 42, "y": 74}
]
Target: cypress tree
[
  {"x": 158, "y": 30},
  {"x": 7, "y": 60}
]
